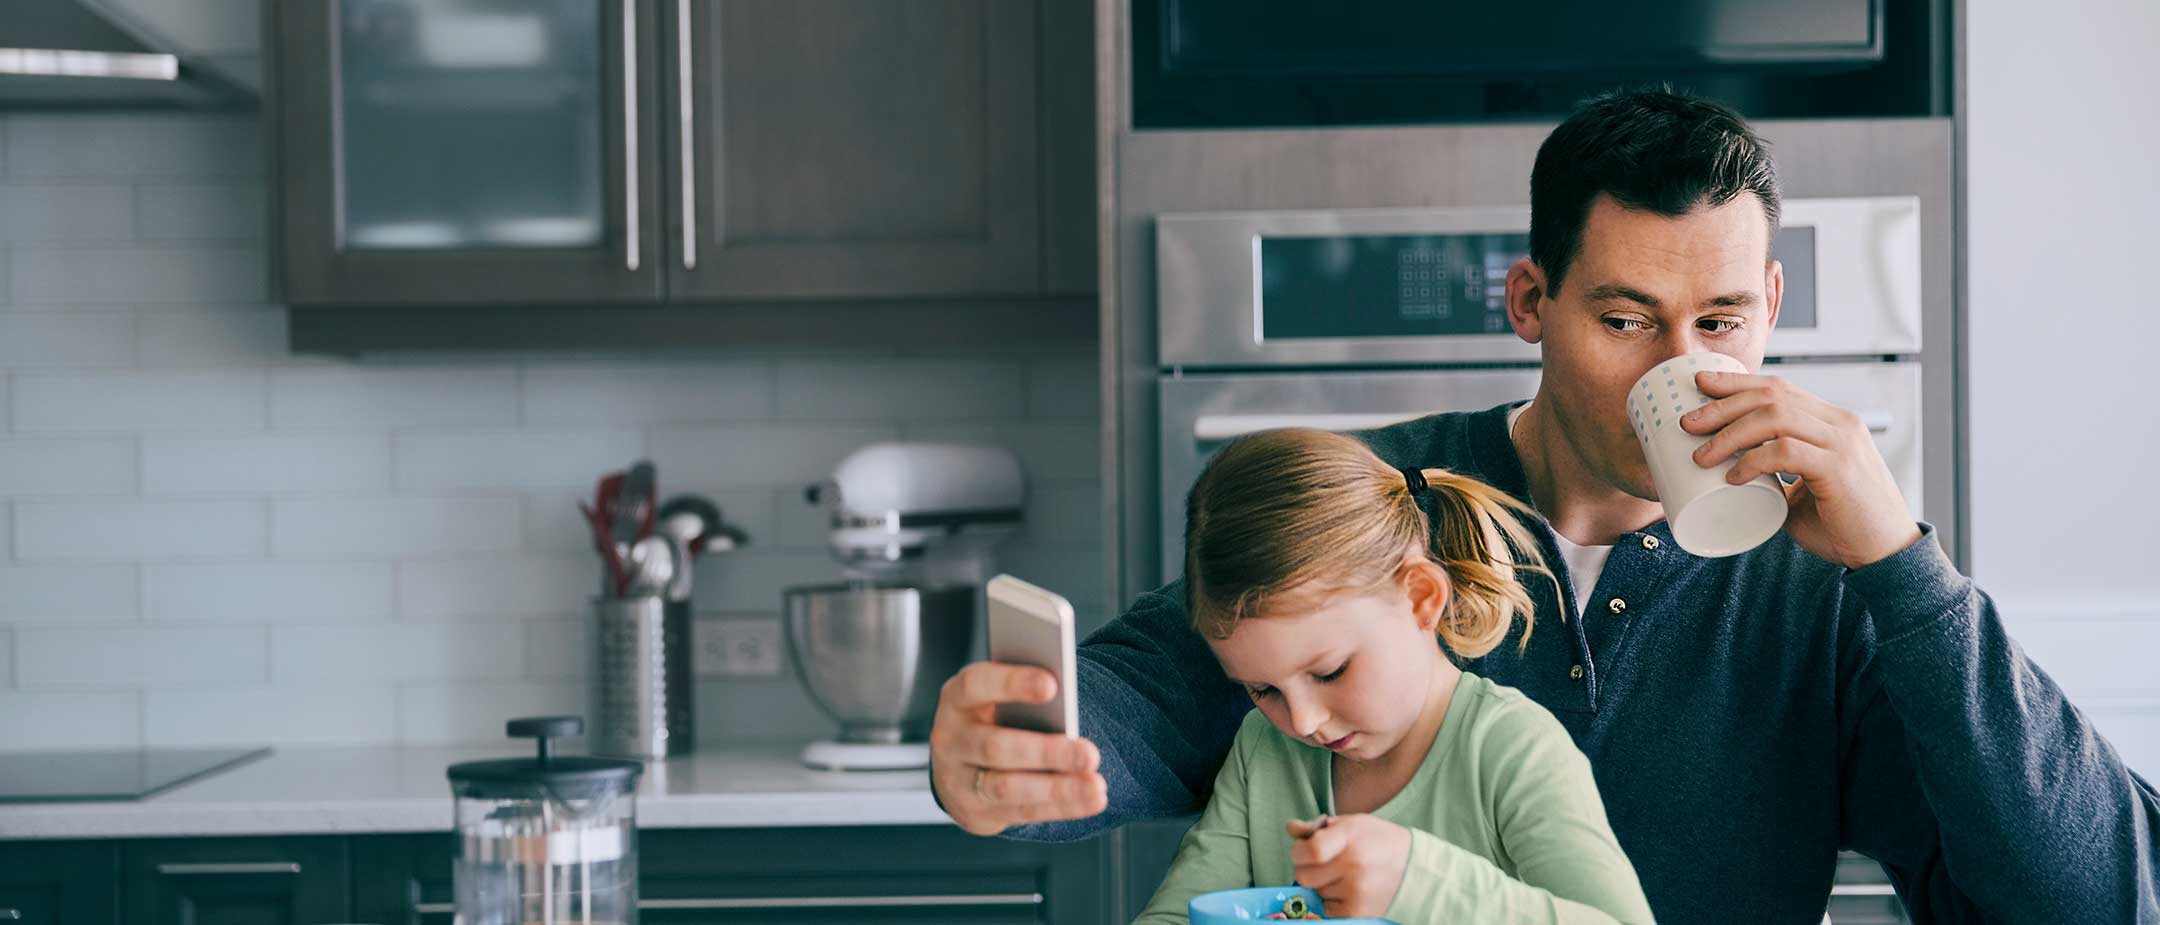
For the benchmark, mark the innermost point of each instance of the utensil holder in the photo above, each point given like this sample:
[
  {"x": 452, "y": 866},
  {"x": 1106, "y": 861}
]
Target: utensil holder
[{"x": 641, "y": 679}]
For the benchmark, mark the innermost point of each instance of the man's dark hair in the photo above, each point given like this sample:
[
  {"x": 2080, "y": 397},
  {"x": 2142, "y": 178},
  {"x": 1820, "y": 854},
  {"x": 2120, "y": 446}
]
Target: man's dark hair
[{"x": 1651, "y": 150}]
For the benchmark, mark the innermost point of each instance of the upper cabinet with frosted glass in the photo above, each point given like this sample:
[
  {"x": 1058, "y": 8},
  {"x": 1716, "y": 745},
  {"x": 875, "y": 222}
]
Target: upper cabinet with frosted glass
[{"x": 505, "y": 152}]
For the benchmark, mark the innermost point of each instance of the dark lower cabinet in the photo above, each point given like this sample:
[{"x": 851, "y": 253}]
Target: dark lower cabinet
[
  {"x": 858, "y": 875},
  {"x": 828, "y": 876},
  {"x": 235, "y": 881},
  {"x": 59, "y": 883},
  {"x": 403, "y": 879}
]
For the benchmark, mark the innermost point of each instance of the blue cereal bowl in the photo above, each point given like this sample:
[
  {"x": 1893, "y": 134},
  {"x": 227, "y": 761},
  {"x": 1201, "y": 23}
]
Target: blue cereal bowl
[{"x": 1224, "y": 907}]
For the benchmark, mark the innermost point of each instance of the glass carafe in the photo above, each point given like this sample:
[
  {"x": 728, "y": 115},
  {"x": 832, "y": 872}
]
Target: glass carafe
[{"x": 548, "y": 840}]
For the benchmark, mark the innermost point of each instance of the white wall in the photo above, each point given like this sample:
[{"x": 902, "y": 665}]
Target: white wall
[
  {"x": 2063, "y": 214},
  {"x": 206, "y": 540}
]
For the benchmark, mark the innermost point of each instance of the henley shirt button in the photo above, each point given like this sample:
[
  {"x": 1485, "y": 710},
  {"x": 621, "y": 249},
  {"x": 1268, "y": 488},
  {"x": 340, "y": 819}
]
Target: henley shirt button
[
  {"x": 1616, "y": 605},
  {"x": 1649, "y": 542},
  {"x": 1575, "y": 673}
]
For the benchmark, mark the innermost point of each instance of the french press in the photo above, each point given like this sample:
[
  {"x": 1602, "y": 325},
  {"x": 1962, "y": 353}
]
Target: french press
[{"x": 547, "y": 840}]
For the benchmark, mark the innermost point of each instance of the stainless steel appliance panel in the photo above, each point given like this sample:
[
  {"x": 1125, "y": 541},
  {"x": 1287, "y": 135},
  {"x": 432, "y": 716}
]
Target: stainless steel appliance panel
[{"x": 1866, "y": 282}]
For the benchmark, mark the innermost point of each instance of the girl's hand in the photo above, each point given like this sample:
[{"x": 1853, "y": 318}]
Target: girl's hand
[{"x": 1355, "y": 863}]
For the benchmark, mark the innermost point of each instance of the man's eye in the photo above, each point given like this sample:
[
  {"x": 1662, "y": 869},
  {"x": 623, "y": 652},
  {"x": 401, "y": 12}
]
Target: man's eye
[
  {"x": 1623, "y": 325},
  {"x": 1719, "y": 325},
  {"x": 1332, "y": 675}
]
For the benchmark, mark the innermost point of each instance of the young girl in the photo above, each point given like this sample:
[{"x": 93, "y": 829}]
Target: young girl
[{"x": 1375, "y": 771}]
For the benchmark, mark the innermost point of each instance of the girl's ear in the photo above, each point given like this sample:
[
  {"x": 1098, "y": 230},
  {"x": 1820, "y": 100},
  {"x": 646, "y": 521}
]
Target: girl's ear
[{"x": 1426, "y": 584}]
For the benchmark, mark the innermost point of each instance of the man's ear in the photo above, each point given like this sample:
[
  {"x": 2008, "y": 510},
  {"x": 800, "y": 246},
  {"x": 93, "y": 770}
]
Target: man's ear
[
  {"x": 1774, "y": 290},
  {"x": 1526, "y": 298}
]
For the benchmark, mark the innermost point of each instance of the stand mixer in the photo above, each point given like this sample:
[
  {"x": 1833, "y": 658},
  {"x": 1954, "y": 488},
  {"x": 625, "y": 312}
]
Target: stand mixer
[{"x": 913, "y": 526}]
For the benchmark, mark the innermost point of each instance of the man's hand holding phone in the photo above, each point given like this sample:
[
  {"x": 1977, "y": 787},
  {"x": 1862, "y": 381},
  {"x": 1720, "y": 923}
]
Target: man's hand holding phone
[{"x": 988, "y": 776}]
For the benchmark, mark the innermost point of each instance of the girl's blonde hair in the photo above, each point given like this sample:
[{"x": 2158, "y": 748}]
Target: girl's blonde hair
[{"x": 1318, "y": 512}]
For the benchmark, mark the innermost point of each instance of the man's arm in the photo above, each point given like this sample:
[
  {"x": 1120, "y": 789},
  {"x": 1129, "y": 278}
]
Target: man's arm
[
  {"x": 1158, "y": 707},
  {"x": 2029, "y": 813}
]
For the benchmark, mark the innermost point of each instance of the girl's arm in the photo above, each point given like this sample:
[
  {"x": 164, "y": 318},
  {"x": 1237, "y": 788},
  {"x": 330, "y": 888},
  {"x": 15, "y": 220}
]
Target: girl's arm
[
  {"x": 1568, "y": 866},
  {"x": 1216, "y": 853}
]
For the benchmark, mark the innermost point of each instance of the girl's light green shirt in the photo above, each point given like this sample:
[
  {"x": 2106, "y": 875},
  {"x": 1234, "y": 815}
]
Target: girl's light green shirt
[{"x": 1505, "y": 822}]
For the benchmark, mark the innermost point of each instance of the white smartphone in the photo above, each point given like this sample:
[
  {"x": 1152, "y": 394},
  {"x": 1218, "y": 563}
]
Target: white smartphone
[{"x": 1033, "y": 626}]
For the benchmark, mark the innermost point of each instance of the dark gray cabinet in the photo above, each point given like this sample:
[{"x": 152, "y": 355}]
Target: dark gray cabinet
[
  {"x": 444, "y": 152},
  {"x": 59, "y": 883},
  {"x": 403, "y": 879},
  {"x": 235, "y": 881},
  {"x": 622, "y": 152}
]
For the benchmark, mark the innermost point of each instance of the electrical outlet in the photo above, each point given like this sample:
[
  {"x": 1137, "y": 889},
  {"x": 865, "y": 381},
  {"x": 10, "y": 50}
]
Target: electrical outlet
[{"x": 738, "y": 648}]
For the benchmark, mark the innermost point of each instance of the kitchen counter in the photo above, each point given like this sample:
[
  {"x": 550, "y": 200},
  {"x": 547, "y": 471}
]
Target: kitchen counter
[{"x": 394, "y": 789}]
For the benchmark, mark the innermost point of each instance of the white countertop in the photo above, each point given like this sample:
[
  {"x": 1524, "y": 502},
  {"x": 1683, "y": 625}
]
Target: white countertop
[{"x": 394, "y": 789}]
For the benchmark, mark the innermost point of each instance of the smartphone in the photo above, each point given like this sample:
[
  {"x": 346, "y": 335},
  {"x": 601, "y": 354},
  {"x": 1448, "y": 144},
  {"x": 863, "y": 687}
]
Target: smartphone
[{"x": 1033, "y": 626}]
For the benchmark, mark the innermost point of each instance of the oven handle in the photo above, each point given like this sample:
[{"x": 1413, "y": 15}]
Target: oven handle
[{"x": 1216, "y": 428}]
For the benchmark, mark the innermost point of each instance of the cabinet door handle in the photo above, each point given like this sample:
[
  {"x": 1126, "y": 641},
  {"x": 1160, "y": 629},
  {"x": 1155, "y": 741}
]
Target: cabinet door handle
[
  {"x": 434, "y": 908},
  {"x": 252, "y": 867},
  {"x": 846, "y": 902},
  {"x": 10, "y": 915},
  {"x": 630, "y": 127},
  {"x": 684, "y": 120}
]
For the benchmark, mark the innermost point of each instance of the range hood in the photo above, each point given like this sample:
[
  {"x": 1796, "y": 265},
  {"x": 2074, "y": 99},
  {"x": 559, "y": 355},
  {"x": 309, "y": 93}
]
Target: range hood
[{"x": 89, "y": 54}]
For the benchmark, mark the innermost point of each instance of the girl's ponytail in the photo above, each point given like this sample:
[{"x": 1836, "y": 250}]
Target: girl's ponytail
[{"x": 1478, "y": 540}]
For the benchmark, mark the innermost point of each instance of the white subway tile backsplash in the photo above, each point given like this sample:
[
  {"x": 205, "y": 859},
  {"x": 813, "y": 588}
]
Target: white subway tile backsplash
[
  {"x": 750, "y": 580},
  {"x": 49, "y": 720},
  {"x": 1076, "y": 572},
  {"x": 1064, "y": 388},
  {"x": 66, "y": 212},
  {"x": 1048, "y": 450},
  {"x": 884, "y": 390},
  {"x": 138, "y": 530},
  {"x": 511, "y": 459},
  {"x": 751, "y": 455},
  {"x": 350, "y": 714},
  {"x": 557, "y": 650},
  {"x": 200, "y": 211},
  {"x": 465, "y": 587},
  {"x": 437, "y": 714},
  {"x": 201, "y": 273},
  {"x": 351, "y": 398},
  {"x": 404, "y": 526},
  {"x": 212, "y": 336},
  {"x": 81, "y": 401},
  {"x": 267, "y": 592},
  {"x": 68, "y": 594},
  {"x": 142, "y": 655},
  {"x": 133, "y": 145},
  {"x": 98, "y": 466},
  {"x": 2133, "y": 727},
  {"x": 2111, "y": 655},
  {"x": 617, "y": 395},
  {"x": 308, "y": 656},
  {"x": 266, "y": 464},
  {"x": 1068, "y": 513},
  {"x": 257, "y": 547},
  {"x": 66, "y": 337}
]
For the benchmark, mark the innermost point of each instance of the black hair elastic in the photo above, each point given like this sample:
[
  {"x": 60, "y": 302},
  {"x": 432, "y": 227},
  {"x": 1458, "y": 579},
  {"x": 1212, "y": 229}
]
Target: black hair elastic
[{"x": 1415, "y": 478}]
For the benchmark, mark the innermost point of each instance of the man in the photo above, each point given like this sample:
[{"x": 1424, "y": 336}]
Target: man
[{"x": 1840, "y": 686}]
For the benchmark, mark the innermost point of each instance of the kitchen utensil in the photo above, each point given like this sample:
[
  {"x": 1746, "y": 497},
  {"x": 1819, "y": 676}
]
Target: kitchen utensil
[
  {"x": 547, "y": 840},
  {"x": 678, "y": 587},
  {"x": 641, "y": 677},
  {"x": 698, "y": 506},
  {"x": 604, "y": 543},
  {"x": 634, "y": 515},
  {"x": 874, "y": 657},
  {"x": 1709, "y": 516},
  {"x": 653, "y": 567}
]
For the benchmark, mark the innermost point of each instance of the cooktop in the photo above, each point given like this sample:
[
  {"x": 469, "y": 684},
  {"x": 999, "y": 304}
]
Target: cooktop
[{"x": 119, "y": 774}]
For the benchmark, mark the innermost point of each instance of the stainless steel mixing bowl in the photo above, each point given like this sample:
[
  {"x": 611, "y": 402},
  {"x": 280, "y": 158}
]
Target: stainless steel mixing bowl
[{"x": 874, "y": 656}]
